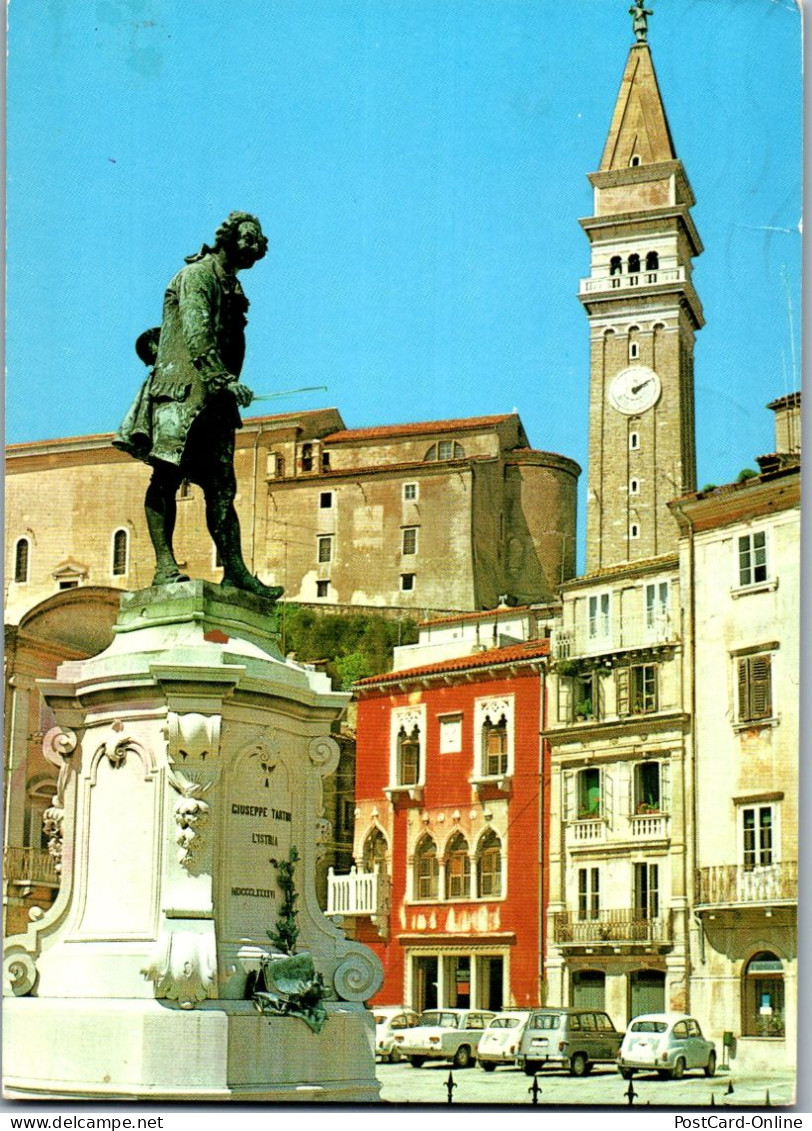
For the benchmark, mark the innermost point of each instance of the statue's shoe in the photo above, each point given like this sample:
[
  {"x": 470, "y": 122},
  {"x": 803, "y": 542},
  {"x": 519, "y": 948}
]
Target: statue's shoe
[
  {"x": 168, "y": 577},
  {"x": 249, "y": 584}
]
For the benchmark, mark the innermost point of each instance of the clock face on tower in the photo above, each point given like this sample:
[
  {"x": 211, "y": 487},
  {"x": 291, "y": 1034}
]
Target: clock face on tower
[{"x": 634, "y": 390}]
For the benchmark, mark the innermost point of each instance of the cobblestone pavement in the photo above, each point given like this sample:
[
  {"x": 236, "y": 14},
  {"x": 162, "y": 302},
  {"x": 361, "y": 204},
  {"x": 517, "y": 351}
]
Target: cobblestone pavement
[{"x": 603, "y": 1087}]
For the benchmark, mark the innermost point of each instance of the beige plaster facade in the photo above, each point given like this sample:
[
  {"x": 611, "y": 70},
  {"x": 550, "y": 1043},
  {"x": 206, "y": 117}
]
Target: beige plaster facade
[
  {"x": 448, "y": 515},
  {"x": 740, "y": 565}
]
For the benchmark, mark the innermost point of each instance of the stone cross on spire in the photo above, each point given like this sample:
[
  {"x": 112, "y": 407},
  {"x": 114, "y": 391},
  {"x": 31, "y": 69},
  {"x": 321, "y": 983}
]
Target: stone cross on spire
[{"x": 640, "y": 14}]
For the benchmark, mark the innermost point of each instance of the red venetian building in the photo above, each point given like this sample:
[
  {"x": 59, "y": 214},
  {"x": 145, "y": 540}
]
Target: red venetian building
[{"x": 451, "y": 818}]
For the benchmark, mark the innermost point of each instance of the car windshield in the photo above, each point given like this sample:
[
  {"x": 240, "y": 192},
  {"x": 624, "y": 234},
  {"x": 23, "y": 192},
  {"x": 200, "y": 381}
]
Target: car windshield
[
  {"x": 504, "y": 1023},
  {"x": 649, "y": 1027},
  {"x": 546, "y": 1021},
  {"x": 433, "y": 1017}
]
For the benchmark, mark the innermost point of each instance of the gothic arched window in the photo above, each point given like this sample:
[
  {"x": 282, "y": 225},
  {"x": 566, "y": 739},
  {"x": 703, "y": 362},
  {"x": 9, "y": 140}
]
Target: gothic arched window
[
  {"x": 426, "y": 869},
  {"x": 375, "y": 851},
  {"x": 457, "y": 868},
  {"x": 489, "y": 865},
  {"x": 652, "y": 261},
  {"x": 634, "y": 264},
  {"x": 615, "y": 265}
]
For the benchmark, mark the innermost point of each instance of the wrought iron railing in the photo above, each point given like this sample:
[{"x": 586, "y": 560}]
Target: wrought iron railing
[
  {"x": 735, "y": 883},
  {"x": 619, "y": 925},
  {"x": 29, "y": 866}
]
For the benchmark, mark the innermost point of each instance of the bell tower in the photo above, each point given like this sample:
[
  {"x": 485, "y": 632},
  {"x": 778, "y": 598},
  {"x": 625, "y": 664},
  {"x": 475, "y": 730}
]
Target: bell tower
[{"x": 643, "y": 314}]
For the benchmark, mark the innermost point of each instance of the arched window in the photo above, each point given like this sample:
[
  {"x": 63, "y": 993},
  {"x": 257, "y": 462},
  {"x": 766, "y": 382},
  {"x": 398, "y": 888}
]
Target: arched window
[
  {"x": 21, "y": 560},
  {"x": 763, "y": 996},
  {"x": 445, "y": 449},
  {"x": 634, "y": 486},
  {"x": 120, "y": 544},
  {"x": 408, "y": 756},
  {"x": 635, "y": 160},
  {"x": 634, "y": 264},
  {"x": 426, "y": 870},
  {"x": 652, "y": 261},
  {"x": 615, "y": 265},
  {"x": 634, "y": 351},
  {"x": 489, "y": 865},
  {"x": 375, "y": 851},
  {"x": 307, "y": 457},
  {"x": 457, "y": 868}
]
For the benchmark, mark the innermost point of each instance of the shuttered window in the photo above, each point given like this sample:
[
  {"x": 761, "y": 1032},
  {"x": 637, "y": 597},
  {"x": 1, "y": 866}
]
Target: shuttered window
[{"x": 755, "y": 687}]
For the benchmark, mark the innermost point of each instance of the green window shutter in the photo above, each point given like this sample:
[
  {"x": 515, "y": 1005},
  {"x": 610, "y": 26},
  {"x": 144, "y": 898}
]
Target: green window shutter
[{"x": 760, "y": 687}]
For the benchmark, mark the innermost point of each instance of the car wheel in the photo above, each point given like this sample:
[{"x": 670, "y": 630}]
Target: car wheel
[
  {"x": 679, "y": 1068},
  {"x": 417, "y": 1061},
  {"x": 462, "y": 1057},
  {"x": 395, "y": 1055},
  {"x": 710, "y": 1067},
  {"x": 627, "y": 1073},
  {"x": 579, "y": 1065},
  {"x": 531, "y": 1067},
  {"x": 488, "y": 1065}
]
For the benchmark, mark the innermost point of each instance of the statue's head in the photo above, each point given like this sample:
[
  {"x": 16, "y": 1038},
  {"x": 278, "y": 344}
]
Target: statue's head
[{"x": 241, "y": 234}]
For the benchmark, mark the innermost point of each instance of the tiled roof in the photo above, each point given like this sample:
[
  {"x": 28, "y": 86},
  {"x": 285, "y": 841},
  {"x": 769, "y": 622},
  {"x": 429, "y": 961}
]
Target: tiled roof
[
  {"x": 95, "y": 437},
  {"x": 466, "y": 424},
  {"x": 483, "y": 614},
  {"x": 510, "y": 654}
]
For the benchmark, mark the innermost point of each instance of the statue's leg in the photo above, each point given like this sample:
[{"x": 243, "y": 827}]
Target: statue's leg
[
  {"x": 224, "y": 526},
  {"x": 161, "y": 511}
]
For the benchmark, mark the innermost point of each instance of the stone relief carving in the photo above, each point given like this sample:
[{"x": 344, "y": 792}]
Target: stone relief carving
[
  {"x": 58, "y": 745},
  {"x": 358, "y": 976},
  {"x": 193, "y": 737},
  {"x": 19, "y": 973},
  {"x": 324, "y": 752},
  {"x": 191, "y": 815},
  {"x": 184, "y": 964}
]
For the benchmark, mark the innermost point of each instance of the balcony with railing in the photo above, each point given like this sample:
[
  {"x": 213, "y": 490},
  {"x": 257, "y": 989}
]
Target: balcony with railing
[
  {"x": 611, "y": 928},
  {"x": 726, "y": 884},
  {"x": 29, "y": 867},
  {"x": 648, "y": 826},
  {"x": 621, "y": 282},
  {"x": 358, "y": 893},
  {"x": 599, "y": 637}
]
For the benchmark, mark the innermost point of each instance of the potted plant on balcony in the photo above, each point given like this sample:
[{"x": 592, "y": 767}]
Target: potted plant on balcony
[
  {"x": 583, "y": 710},
  {"x": 647, "y": 808}
]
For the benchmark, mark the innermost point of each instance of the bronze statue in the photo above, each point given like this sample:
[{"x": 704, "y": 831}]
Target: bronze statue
[
  {"x": 184, "y": 418},
  {"x": 640, "y": 14}
]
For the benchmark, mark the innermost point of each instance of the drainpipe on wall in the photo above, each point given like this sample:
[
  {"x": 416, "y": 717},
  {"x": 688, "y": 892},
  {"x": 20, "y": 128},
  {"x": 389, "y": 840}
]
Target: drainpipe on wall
[
  {"x": 254, "y": 490},
  {"x": 541, "y": 853},
  {"x": 690, "y": 844}
]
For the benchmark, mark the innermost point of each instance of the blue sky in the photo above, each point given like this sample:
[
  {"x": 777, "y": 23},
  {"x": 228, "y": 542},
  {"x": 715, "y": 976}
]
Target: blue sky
[{"x": 419, "y": 167}]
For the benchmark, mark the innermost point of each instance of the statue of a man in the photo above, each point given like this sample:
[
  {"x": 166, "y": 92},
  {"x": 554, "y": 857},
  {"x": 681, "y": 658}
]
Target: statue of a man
[
  {"x": 640, "y": 14},
  {"x": 184, "y": 418}
]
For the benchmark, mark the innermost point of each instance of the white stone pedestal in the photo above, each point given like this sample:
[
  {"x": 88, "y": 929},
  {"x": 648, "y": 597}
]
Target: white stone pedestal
[{"x": 190, "y": 757}]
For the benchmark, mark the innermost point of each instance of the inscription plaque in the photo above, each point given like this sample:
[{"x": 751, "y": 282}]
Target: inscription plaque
[{"x": 258, "y": 830}]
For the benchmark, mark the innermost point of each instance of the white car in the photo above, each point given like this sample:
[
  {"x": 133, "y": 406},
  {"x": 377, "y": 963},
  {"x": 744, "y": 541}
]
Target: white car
[
  {"x": 389, "y": 1020},
  {"x": 666, "y": 1043},
  {"x": 444, "y": 1034},
  {"x": 500, "y": 1041}
]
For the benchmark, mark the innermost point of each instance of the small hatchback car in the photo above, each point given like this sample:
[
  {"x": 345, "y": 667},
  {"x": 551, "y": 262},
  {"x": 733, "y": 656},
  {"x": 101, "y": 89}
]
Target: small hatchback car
[
  {"x": 390, "y": 1019},
  {"x": 573, "y": 1039},
  {"x": 444, "y": 1034},
  {"x": 500, "y": 1041},
  {"x": 666, "y": 1043}
]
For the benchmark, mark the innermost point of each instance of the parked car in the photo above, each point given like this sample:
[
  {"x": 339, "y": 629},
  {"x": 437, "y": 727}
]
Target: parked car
[
  {"x": 666, "y": 1043},
  {"x": 444, "y": 1034},
  {"x": 573, "y": 1039},
  {"x": 499, "y": 1043},
  {"x": 389, "y": 1019}
]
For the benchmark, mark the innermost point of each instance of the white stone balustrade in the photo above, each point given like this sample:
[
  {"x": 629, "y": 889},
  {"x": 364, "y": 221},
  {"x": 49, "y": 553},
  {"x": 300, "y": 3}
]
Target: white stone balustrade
[{"x": 354, "y": 894}]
